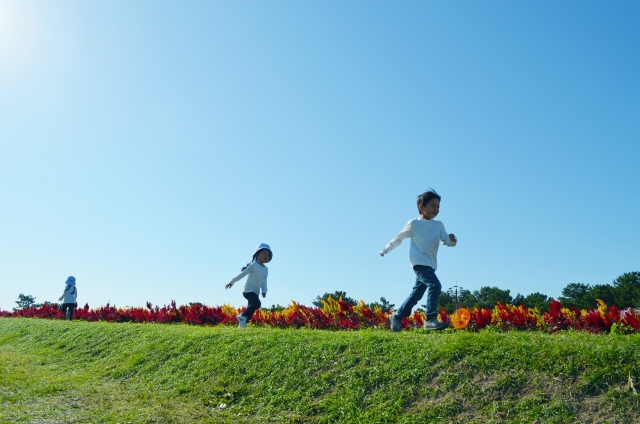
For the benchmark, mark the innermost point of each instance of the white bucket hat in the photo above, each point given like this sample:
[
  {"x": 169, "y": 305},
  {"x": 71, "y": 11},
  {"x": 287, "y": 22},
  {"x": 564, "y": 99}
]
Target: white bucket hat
[{"x": 262, "y": 246}]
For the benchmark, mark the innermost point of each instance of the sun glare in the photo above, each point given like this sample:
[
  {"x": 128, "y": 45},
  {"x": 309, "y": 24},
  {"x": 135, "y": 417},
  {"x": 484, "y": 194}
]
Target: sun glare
[{"x": 17, "y": 33}]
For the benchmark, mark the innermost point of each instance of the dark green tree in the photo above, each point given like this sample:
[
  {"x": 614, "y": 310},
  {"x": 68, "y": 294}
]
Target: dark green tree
[
  {"x": 576, "y": 294},
  {"x": 383, "y": 304},
  {"x": 626, "y": 290},
  {"x": 25, "y": 301},
  {"x": 487, "y": 297},
  {"x": 335, "y": 295},
  {"x": 603, "y": 292},
  {"x": 537, "y": 300},
  {"x": 518, "y": 300},
  {"x": 447, "y": 300}
]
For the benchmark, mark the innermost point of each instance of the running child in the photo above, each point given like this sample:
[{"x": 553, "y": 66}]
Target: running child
[
  {"x": 426, "y": 234},
  {"x": 257, "y": 280},
  {"x": 69, "y": 297}
]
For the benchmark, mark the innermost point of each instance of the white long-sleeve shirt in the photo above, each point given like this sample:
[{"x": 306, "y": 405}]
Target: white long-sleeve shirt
[
  {"x": 256, "y": 280},
  {"x": 426, "y": 235},
  {"x": 70, "y": 294}
]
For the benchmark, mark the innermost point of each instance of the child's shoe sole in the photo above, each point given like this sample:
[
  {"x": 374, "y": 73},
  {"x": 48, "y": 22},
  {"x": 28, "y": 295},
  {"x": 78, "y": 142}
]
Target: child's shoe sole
[{"x": 434, "y": 325}]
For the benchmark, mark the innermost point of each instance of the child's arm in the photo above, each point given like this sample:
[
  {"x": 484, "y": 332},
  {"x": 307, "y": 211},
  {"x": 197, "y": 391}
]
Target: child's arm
[
  {"x": 264, "y": 288},
  {"x": 64, "y": 293},
  {"x": 447, "y": 239},
  {"x": 239, "y": 276},
  {"x": 397, "y": 240}
]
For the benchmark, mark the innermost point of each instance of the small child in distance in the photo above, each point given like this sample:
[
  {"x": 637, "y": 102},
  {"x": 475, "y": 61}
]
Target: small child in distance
[
  {"x": 69, "y": 297},
  {"x": 256, "y": 273}
]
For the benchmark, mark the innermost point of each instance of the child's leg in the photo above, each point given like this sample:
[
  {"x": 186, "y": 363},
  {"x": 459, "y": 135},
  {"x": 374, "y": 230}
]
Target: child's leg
[
  {"x": 416, "y": 294},
  {"x": 254, "y": 303},
  {"x": 428, "y": 277},
  {"x": 66, "y": 308}
]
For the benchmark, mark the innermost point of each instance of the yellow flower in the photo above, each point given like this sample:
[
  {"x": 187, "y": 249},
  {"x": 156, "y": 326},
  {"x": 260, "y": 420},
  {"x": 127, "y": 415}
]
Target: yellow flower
[
  {"x": 229, "y": 310},
  {"x": 359, "y": 307},
  {"x": 330, "y": 305}
]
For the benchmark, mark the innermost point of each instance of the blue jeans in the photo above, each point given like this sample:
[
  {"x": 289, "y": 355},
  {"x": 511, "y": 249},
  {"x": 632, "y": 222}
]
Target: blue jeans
[
  {"x": 426, "y": 281},
  {"x": 68, "y": 308},
  {"x": 254, "y": 304}
]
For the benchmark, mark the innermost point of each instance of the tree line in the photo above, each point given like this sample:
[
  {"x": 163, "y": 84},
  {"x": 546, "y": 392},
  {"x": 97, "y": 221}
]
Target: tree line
[{"x": 624, "y": 292}]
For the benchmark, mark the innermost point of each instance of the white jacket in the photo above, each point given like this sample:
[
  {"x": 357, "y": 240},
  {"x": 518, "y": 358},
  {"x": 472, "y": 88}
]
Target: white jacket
[
  {"x": 256, "y": 280},
  {"x": 426, "y": 235},
  {"x": 70, "y": 294}
]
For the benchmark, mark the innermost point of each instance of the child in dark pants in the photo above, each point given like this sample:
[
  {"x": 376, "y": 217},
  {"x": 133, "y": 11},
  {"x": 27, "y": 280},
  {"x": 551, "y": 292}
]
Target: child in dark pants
[
  {"x": 69, "y": 297},
  {"x": 426, "y": 234},
  {"x": 256, "y": 273}
]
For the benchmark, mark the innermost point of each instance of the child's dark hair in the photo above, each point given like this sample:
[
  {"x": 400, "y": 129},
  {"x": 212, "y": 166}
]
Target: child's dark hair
[
  {"x": 255, "y": 255},
  {"x": 426, "y": 197}
]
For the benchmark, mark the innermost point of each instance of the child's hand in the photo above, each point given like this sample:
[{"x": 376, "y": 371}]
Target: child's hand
[
  {"x": 381, "y": 254},
  {"x": 264, "y": 295},
  {"x": 228, "y": 286},
  {"x": 453, "y": 238}
]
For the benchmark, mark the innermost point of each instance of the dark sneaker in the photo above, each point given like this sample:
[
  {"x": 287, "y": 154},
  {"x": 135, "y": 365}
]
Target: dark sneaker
[
  {"x": 434, "y": 324},
  {"x": 395, "y": 323}
]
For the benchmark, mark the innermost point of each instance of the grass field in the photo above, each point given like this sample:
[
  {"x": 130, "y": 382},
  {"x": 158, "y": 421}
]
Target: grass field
[{"x": 61, "y": 372}]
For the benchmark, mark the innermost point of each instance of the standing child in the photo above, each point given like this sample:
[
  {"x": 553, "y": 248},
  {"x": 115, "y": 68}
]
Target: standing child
[
  {"x": 426, "y": 234},
  {"x": 69, "y": 297},
  {"x": 257, "y": 280}
]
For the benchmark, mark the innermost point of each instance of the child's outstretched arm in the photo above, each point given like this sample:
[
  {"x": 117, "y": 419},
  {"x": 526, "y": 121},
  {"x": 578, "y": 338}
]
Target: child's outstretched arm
[
  {"x": 397, "y": 240},
  {"x": 239, "y": 276}
]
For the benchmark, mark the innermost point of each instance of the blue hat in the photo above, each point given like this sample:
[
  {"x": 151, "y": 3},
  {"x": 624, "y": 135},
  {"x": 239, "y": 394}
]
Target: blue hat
[
  {"x": 261, "y": 247},
  {"x": 71, "y": 281}
]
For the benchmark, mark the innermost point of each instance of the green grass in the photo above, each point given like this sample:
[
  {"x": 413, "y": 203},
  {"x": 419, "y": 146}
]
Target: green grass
[{"x": 61, "y": 372}]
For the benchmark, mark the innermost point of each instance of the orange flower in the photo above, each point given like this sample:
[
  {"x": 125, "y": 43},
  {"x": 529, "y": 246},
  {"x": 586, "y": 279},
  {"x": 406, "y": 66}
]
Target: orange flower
[{"x": 460, "y": 319}]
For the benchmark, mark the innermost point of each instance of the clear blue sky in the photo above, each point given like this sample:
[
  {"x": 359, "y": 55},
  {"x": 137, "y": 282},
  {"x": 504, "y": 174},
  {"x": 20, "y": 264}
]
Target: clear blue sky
[{"x": 146, "y": 147}]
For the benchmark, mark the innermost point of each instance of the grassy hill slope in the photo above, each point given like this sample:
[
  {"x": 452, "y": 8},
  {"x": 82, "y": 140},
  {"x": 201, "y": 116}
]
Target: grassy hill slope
[{"x": 56, "y": 371}]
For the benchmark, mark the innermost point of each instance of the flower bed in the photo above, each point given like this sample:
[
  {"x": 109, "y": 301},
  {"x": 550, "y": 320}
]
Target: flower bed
[{"x": 340, "y": 315}]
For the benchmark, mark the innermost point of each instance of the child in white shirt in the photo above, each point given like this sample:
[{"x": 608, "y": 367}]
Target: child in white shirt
[
  {"x": 426, "y": 234},
  {"x": 69, "y": 297},
  {"x": 256, "y": 273}
]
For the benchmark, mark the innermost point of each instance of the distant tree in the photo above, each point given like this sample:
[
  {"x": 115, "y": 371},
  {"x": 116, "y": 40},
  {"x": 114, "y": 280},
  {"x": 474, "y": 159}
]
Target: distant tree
[
  {"x": 626, "y": 290},
  {"x": 576, "y": 294},
  {"x": 25, "y": 301},
  {"x": 447, "y": 300},
  {"x": 537, "y": 300},
  {"x": 383, "y": 304},
  {"x": 335, "y": 295},
  {"x": 277, "y": 308},
  {"x": 518, "y": 300},
  {"x": 603, "y": 292},
  {"x": 487, "y": 297}
]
